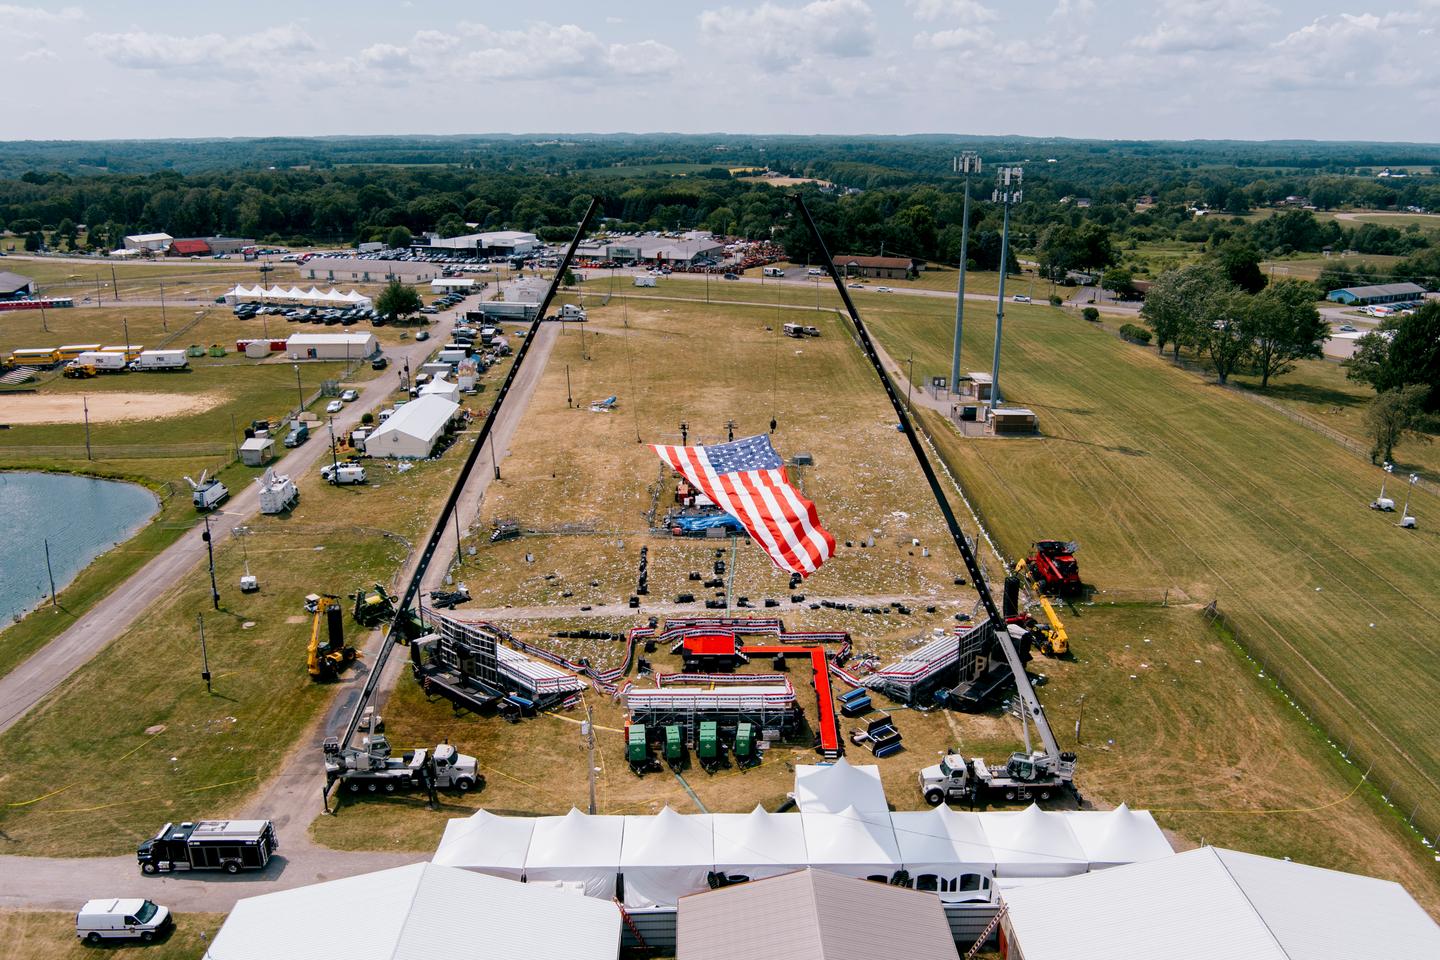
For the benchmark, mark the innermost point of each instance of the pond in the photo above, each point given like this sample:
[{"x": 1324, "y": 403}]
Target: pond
[{"x": 80, "y": 517}]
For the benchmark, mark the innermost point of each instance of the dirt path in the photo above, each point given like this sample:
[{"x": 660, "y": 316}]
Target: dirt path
[
  {"x": 29, "y": 408},
  {"x": 46, "y": 669}
]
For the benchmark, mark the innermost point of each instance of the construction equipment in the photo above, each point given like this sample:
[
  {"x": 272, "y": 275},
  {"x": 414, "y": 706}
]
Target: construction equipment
[
  {"x": 373, "y": 606},
  {"x": 449, "y": 599},
  {"x": 1054, "y": 640},
  {"x": 1054, "y": 568},
  {"x": 76, "y": 370},
  {"x": 372, "y": 768},
  {"x": 328, "y": 657},
  {"x": 209, "y": 493}
]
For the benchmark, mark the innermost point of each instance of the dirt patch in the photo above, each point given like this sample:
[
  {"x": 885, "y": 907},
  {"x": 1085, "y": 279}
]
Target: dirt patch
[{"x": 103, "y": 407}]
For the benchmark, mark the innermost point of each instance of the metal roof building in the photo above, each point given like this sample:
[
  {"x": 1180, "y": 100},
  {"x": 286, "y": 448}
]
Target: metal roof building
[
  {"x": 148, "y": 241},
  {"x": 1213, "y": 902},
  {"x": 331, "y": 346},
  {"x": 14, "y": 287},
  {"x": 492, "y": 244},
  {"x": 812, "y": 915},
  {"x": 420, "y": 911},
  {"x": 1377, "y": 293}
]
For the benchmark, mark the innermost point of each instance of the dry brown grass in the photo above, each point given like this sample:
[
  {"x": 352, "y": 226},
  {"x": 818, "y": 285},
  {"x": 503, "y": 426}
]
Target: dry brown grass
[{"x": 50, "y": 935}]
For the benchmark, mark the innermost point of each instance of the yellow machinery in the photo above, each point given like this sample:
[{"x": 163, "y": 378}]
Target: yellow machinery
[
  {"x": 1055, "y": 642},
  {"x": 79, "y": 371},
  {"x": 328, "y": 655}
]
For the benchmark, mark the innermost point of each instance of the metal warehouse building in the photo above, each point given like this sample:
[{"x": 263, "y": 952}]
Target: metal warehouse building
[
  {"x": 355, "y": 270},
  {"x": 331, "y": 346},
  {"x": 498, "y": 243},
  {"x": 1378, "y": 293}
]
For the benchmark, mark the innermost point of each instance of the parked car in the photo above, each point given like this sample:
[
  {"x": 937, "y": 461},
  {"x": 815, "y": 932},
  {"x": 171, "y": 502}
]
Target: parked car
[
  {"x": 334, "y": 406},
  {"x": 732, "y": 276},
  {"x": 379, "y": 363},
  {"x": 117, "y": 919},
  {"x": 1347, "y": 328},
  {"x": 422, "y": 335},
  {"x": 349, "y": 396},
  {"x": 1021, "y": 298},
  {"x": 882, "y": 289}
]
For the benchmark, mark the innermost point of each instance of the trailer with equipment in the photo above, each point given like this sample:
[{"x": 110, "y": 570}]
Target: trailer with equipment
[
  {"x": 372, "y": 768},
  {"x": 208, "y": 493},
  {"x": 229, "y": 845},
  {"x": 373, "y": 606}
]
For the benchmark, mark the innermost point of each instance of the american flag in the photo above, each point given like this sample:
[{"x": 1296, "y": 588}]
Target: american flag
[{"x": 746, "y": 478}]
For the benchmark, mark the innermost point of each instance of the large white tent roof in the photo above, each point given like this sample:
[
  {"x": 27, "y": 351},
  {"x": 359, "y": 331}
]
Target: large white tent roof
[
  {"x": 577, "y": 846},
  {"x": 759, "y": 844},
  {"x": 1122, "y": 835},
  {"x": 665, "y": 856},
  {"x": 1033, "y": 843},
  {"x": 1211, "y": 902},
  {"x": 830, "y": 788},
  {"x": 331, "y": 297},
  {"x": 486, "y": 843},
  {"x": 424, "y": 417},
  {"x": 419, "y": 912},
  {"x": 942, "y": 837},
  {"x": 851, "y": 842}
]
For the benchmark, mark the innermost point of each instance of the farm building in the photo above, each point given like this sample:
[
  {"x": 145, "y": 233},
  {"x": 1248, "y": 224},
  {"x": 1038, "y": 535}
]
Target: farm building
[
  {"x": 15, "y": 287},
  {"x": 412, "y": 431},
  {"x": 189, "y": 248},
  {"x": 154, "y": 242},
  {"x": 355, "y": 270},
  {"x": 497, "y": 243},
  {"x": 331, "y": 346},
  {"x": 422, "y": 910},
  {"x": 879, "y": 268},
  {"x": 1185, "y": 905},
  {"x": 812, "y": 915},
  {"x": 228, "y": 244},
  {"x": 1377, "y": 293}
]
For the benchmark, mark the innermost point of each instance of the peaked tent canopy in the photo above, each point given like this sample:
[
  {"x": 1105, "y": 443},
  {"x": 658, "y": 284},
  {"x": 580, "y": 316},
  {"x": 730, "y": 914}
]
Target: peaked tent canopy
[
  {"x": 579, "y": 847},
  {"x": 1033, "y": 843},
  {"x": 945, "y": 851},
  {"x": 852, "y": 843},
  {"x": 666, "y": 856},
  {"x": 830, "y": 788},
  {"x": 486, "y": 843},
  {"x": 1113, "y": 837},
  {"x": 759, "y": 844}
]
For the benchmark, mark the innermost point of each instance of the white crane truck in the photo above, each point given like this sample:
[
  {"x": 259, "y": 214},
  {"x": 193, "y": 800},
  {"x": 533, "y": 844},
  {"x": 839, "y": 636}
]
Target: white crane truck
[{"x": 371, "y": 768}]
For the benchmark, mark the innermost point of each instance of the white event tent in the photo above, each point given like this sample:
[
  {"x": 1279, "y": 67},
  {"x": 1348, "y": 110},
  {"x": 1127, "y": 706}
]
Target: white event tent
[
  {"x": 945, "y": 852},
  {"x": 486, "y": 843},
  {"x": 577, "y": 847},
  {"x": 1114, "y": 837},
  {"x": 1033, "y": 843},
  {"x": 759, "y": 844},
  {"x": 830, "y": 788},
  {"x": 311, "y": 297},
  {"x": 852, "y": 843},
  {"x": 665, "y": 857}
]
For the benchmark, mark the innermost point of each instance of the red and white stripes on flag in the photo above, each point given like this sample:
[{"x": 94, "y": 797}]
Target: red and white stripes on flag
[{"x": 746, "y": 478}]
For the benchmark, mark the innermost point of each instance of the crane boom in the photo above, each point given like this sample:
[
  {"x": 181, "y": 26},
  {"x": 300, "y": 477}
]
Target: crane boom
[{"x": 1033, "y": 708}]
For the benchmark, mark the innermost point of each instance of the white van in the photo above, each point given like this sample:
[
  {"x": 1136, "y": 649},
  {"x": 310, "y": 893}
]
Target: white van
[
  {"x": 773, "y": 272},
  {"x": 114, "y": 919}
]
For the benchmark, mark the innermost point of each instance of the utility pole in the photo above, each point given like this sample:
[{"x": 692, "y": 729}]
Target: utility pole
[
  {"x": 114, "y": 283},
  {"x": 569, "y": 398},
  {"x": 587, "y": 731},
  {"x": 163, "y": 324},
  {"x": 910, "y": 381},
  {"x": 85, "y": 405},
  {"x": 1008, "y": 193},
  {"x": 210, "y": 549},
  {"x": 493, "y": 462},
  {"x": 204, "y": 654},
  {"x": 684, "y": 433},
  {"x": 334, "y": 457},
  {"x": 459, "y": 560},
  {"x": 54, "y": 604},
  {"x": 967, "y": 163},
  {"x": 125, "y": 325},
  {"x": 299, "y": 393}
]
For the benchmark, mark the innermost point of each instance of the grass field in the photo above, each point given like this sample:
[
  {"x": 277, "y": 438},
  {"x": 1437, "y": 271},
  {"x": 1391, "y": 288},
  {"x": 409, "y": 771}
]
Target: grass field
[
  {"x": 1173, "y": 485},
  {"x": 98, "y": 279},
  {"x": 50, "y": 935},
  {"x": 1309, "y": 267}
]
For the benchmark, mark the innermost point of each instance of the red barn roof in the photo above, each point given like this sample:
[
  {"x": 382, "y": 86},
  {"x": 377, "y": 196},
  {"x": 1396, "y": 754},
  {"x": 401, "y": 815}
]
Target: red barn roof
[{"x": 186, "y": 248}]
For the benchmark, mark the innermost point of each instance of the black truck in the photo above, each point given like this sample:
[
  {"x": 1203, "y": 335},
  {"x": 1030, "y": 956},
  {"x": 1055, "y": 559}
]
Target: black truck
[{"x": 229, "y": 845}]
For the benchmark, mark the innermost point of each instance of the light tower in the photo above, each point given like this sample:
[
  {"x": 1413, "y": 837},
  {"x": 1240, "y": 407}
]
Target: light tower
[
  {"x": 967, "y": 163},
  {"x": 1007, "y": 193}
]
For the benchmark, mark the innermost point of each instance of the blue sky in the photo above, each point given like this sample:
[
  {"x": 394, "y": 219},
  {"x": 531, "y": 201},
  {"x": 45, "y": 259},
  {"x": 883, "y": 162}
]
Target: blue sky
[{"x": 1329, "y": 69}]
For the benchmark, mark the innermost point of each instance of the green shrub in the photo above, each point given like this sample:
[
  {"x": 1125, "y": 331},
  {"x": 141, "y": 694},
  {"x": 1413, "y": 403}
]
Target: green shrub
[
  {"x": 1091, "y": 314},
  {"x": 1135, "y": 334},
  {"x": 1055, "y": 301}
]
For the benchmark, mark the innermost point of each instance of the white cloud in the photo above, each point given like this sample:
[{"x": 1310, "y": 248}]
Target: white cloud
[
  {"x": 1206, "y": 26},
  {"x": 213, "y": 53},
  {"x": 778, "y": 38},
  {"x": 38, "y": 54},
  {"x": 1364, "y": 50},
  {"x": 1072, "y": 10},
  {"x": 543, "y": 50},
  {"x": 13, "y": 11},
  {"x": 965, "y": 11}
]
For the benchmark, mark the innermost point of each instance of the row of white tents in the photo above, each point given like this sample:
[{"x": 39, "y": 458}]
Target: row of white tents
[
  {"x": 314, "y": 296},
  {"x": 959, "y": 856}
]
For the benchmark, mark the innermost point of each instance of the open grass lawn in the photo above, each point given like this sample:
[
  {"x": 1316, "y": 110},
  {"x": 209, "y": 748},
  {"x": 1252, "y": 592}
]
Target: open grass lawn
[
  {"x": 1171, "y": 484},
  {"x": 1309, "y": 267},
  {"x": 50, "y": 935},
  {"x": 181, "y": 278},
  {"x": 213, "y": 750}
]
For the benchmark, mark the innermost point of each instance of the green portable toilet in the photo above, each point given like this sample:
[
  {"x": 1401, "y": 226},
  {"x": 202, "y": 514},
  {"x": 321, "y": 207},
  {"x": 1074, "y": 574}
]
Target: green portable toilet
[
  {"x": 709, "y": 746},
  {"x": 674, "y": 743},
  {"x": 744, "y": 740},
  {"x": 636, "y": 749}
]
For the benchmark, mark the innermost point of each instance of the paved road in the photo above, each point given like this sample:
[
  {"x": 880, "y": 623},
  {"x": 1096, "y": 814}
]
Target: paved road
[{"x": 32, "y": 680}]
